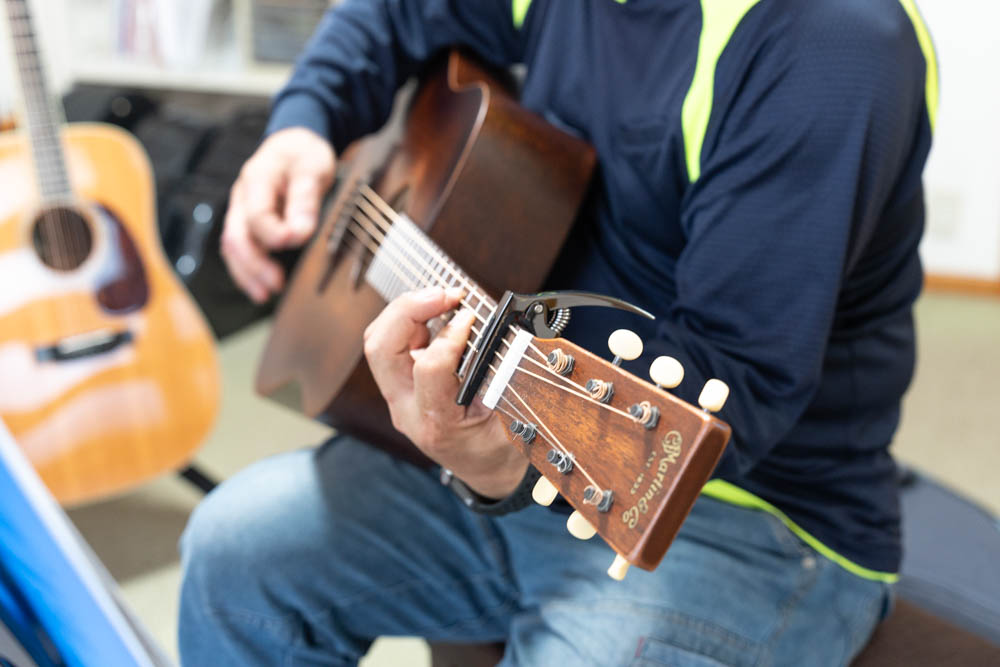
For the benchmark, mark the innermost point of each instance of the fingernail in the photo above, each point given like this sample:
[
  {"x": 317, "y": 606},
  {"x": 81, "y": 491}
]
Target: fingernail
[
  {"x": 455, "y": 292},
  {"x": 416, "y": 354}
]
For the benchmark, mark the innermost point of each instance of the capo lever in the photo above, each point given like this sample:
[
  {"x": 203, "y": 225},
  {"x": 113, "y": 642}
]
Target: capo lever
[{"x": 534, "y": 313}]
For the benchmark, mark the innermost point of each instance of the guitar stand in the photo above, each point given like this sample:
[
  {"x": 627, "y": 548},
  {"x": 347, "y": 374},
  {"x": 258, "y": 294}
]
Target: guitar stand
[{"x": 196, "y": 477}]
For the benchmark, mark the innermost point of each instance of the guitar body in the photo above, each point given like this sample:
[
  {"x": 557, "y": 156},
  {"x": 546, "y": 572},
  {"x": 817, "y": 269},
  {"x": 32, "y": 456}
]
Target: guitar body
[
  {"x": 108, "y": 374},
  {"x": 491, "y": 183}
]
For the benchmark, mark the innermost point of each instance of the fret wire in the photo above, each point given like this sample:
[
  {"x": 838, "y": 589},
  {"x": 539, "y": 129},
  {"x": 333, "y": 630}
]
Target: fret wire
[
  {"x": 373, "y": 214},
  {"x": 574, "y": 388},
  {"x": 377, "y": 249},
  {"x": 371, "y": 195}
]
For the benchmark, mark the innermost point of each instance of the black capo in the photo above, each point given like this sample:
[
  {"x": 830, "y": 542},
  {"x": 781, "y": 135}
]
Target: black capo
[{"x": 535, "y": 313}]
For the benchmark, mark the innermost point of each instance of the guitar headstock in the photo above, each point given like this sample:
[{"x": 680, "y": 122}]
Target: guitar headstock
[{"x": 630, "y": 457}]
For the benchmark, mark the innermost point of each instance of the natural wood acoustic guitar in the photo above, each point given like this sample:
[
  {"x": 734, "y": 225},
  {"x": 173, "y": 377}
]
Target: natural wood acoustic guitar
[
  {"x": 467, "y": 178},
  {"x": 108, "y": 373}
]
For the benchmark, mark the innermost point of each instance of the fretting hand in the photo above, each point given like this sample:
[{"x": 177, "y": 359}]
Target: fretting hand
[{"x": 417, "y": 379}]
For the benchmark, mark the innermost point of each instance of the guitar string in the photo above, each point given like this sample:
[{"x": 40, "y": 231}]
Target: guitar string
[
  {"x": 24, "y": 46},
  {"x": 57, "y": 235},
  {"x": 386, "y": 223},
  {"x": 368, "y": 242},
  {"x": 46, "y": 143},
  {"x": 382, "y": 248},
  {"x": 580, "y": 390},
  {"x": 552, "y": 442},
  {"x": 23, "y": 41}
]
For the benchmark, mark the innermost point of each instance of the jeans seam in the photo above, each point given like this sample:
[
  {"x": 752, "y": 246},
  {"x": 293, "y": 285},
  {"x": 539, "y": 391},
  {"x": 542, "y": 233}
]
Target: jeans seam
[
  {"x": 371, "y": 594},
  {"x": 722, "y": 634},
  {"x": 784, "y": 610},
  {"x": 871, "y": 618},
  {"x": 277, "y": 626},
  {"x": 492, "y": 535}
]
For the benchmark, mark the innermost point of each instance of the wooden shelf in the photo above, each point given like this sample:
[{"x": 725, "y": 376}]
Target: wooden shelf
[{"x": 261, "y": 80}]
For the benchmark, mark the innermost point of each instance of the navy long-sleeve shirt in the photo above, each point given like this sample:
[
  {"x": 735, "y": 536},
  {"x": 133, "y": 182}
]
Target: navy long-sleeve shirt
[{"x": 759, "y": 190}]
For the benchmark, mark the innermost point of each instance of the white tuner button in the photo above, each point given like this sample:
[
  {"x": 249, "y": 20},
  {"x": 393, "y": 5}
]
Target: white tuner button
[
  {"x": 618, "y": 568},
  {"x": 544, "y": 492},
  {"x": 579, "y": 527},
  {"x": 625, "y": 344},
  {"x": 666, "y": 372},
  {"x": 713, "y": 395}
]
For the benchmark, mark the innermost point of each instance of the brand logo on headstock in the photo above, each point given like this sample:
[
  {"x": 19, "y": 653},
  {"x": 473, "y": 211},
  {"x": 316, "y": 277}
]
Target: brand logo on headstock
[{"x": 671, "y": 450}]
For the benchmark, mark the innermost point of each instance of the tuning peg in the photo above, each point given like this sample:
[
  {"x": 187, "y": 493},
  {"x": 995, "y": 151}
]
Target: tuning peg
[
  {"x": 544, "y": 492},
  {"x": 618, "y": 568},
  {"x": 713, "y": 395},
  {"x": 666, "y": 372},
  {"x": 624, "y": 344},
  {"x": 579, "y": 527}
]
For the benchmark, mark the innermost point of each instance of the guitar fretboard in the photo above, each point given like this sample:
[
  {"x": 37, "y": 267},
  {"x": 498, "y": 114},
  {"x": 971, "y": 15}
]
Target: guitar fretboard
[
  {"x": 404, "y": 258},
  {"x": 42, "y": 119},
  {"x": 407, "y": 260}
]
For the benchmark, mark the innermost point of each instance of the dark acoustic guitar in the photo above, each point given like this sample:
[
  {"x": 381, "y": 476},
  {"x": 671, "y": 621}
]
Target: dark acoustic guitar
[{"x": 448, "y": 184}]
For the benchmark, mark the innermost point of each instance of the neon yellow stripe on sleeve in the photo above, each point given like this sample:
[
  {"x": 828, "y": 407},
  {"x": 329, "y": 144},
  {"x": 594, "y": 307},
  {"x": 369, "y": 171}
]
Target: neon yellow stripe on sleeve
[
  {"x": 927, "y": 46},
  {"x": 520, "y": 10},
  {"x": 718, "y": 23}
]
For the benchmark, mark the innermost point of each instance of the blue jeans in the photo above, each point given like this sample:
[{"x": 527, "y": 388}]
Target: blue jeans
[{"x": 305, "y": 558}]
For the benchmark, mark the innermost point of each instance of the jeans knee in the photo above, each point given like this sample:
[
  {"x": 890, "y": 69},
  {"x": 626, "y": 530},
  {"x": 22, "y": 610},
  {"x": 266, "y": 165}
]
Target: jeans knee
[
  {"x": 233, "y": 537},
  {"x": 207, "y": 551}
]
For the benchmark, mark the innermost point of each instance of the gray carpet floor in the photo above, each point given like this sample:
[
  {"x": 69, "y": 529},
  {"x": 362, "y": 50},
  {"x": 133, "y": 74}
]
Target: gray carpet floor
[{"x": 947, "y": 431}]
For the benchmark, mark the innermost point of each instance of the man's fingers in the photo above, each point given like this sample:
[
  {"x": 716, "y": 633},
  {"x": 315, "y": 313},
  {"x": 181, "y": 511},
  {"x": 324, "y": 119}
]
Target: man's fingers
[
  {"x": 248, "y": 264},
  {"x": 434, "y": 381},
  {"x": 400, "y": 328},
  {"x": 262, "y": 188},
  {"x": 302, "y": 202},
  {"x": 393, "y": 331}
]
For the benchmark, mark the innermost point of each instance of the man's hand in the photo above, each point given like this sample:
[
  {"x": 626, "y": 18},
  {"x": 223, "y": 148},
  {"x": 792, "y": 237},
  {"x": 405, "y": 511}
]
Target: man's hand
[
  {"x": 418, "y": 382},
  {"x": 274, "y": 204}
]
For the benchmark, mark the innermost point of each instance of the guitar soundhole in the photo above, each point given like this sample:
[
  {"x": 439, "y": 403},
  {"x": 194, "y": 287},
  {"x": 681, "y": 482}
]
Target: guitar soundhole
[{"x": 62, "y": 238}]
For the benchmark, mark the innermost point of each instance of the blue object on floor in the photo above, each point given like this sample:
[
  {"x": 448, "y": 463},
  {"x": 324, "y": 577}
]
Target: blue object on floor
[{"x": 57, "y": 601}]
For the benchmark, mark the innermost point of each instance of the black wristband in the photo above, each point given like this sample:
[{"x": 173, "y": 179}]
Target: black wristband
[{"x": 517, "y": 500}]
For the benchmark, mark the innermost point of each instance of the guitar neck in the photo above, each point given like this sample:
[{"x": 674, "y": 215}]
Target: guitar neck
[
  {"x": 406, "y": 259},
  {"x": 42, "y": 117}
]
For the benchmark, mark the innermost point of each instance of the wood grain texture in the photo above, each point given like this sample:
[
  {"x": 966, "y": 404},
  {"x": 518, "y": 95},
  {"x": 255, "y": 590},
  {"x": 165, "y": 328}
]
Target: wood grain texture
[
  {"x": 494, "y": 185},
  {"x": 655, "y": 474},
  {"x": 101, "y": 424},
  {"x": 497, "y": 189}
]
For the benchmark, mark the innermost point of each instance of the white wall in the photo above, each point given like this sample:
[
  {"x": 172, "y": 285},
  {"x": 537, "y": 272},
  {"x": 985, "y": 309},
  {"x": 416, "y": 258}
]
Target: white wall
[{"x": 963, "y": 173}]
